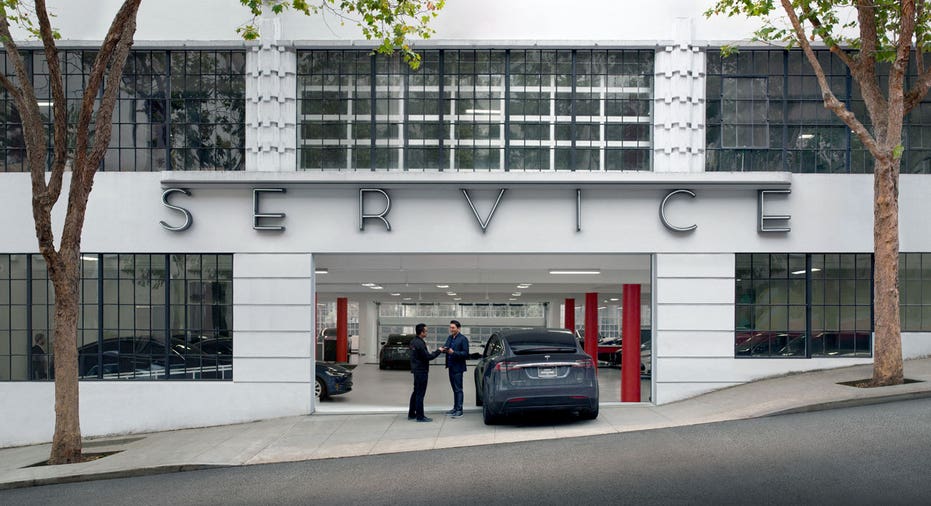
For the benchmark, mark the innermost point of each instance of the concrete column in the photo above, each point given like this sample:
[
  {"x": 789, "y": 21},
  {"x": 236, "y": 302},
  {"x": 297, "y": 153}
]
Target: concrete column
[
  {"x": 369, "y": 339},
  {"x": 271, "y": 102},
  {"x": 273, "y": 321},
  {"x": 679, "y": 104}
]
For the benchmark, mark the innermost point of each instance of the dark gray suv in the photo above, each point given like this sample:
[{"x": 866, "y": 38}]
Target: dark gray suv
[{"x": 535, "y": 369}]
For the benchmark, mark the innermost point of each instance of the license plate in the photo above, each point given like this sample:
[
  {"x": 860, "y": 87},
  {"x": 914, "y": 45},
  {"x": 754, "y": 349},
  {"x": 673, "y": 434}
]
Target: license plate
[{"x": 546, "y": 372}]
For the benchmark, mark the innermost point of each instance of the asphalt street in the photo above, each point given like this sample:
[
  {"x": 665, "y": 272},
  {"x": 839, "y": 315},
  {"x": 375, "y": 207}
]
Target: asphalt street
[{"x": 877, "y": 454}]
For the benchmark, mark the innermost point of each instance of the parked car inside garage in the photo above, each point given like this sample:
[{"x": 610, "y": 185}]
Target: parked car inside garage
[
  {"x": 523, "y": 370},
  {"x": 331, "y": 379},
  {"x": 396, "y": 352}
]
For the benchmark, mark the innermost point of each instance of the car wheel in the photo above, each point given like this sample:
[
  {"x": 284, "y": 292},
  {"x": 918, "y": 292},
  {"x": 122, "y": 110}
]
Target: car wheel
[
  {"x": 487, "y": 416},
  {"x": 320, "y": 390},
  {"x": 382, "y": 366},
  {"x": 589, "y": 414},
  {"x": 478, "y": 394}
]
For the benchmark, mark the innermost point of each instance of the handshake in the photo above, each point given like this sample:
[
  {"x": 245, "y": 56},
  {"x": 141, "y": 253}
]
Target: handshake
[{"x": 443, "y": 349}]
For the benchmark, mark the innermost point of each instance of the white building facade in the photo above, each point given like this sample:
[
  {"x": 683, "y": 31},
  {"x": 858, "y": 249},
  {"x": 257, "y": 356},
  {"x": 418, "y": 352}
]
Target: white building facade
[{"x": 239, "y": 173}]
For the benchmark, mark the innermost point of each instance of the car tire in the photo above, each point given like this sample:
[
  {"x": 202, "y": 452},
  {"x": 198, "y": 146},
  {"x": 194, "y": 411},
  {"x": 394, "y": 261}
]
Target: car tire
[
  {"x": 488, "y": 416},
  {"x": 320, "y": 390},
  {"x": 382, "y": 366},
  {"x": 478, "y": 393},
  {"x": 589, "y": 414}
]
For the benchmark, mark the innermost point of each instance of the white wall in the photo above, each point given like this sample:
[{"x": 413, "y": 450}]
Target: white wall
[
  {"x": 830, "y": 213},
  {"x": 462, "y": 21}
]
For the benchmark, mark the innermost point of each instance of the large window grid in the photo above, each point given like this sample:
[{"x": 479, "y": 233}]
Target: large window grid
[
  {"x": 803, "y": 305},
  {"x": 124, "y": 317},
  {"x": 765, "y": 112},
  {"x": 915, "y": 291},
  {"x": 176, "y": 110},
  {"x": 477, "y": 110}
]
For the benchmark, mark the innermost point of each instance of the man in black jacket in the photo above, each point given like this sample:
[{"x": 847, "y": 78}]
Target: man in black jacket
[{"x": 420, "y": 368}]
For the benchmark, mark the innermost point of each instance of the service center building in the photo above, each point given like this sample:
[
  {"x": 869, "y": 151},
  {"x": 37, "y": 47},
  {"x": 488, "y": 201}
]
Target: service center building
[{"x": 251, "y": 189}]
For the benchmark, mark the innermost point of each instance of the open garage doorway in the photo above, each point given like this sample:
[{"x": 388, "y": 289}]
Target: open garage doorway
[{"x": 382, "y": 297}]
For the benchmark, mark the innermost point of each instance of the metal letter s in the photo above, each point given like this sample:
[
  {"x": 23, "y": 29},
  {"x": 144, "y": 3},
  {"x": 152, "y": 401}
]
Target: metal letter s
[{"x": 188, "y": 218}]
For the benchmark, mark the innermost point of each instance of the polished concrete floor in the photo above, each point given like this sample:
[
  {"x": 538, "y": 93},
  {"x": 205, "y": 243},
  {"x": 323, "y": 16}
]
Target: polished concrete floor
[{"x": 376, "y": 390}]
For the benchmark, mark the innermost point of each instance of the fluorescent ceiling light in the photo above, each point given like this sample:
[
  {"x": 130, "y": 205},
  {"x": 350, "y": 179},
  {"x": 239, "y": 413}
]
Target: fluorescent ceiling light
[
  {"x": 321, "y": 271},
  {"x": 613, "y": 299},
  {"x": 44, "y": 103},
  {"x": 442, "y": 286},
  {"x": 524, "y": 286},
  {"x": 457, "y": 298},
  {"x": 407, "y": 298},
  {"x": 376, "y": 287},
  {"x": 813, "y": 269},
  {"x": 451, "y": 294},
  {"x": 395, "y": 294},
  {"x": 368, "y": 285},
  {"x": 89, "y": 258},
  {"x": 570, "y": 271},
  {"x": 603, "y": 307},
  {"x": 512, "y": 299},
  {"x": 806, "y": 136},
  {"x": 516, "y": 294}
]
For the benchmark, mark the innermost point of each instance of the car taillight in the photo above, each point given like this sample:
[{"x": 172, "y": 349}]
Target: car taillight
[
  {"x": 505, "y": 366},
  {"x": 585, "y": 363}
]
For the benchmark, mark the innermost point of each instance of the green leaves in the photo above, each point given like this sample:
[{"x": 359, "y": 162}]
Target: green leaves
[{"x": 390, "y": 22}]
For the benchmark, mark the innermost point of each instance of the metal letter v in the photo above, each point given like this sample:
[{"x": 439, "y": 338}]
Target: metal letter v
[{"x": 483, "y": 222}]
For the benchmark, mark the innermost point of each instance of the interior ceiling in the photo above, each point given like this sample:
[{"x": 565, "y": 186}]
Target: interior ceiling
[{"x": 478, "y": 277}]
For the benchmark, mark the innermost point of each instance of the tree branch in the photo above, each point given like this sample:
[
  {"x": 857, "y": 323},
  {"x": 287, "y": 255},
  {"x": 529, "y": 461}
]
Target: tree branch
[
  {"x": 919, "y": 37},
  {"x": 897, "y": 73},
  {"x": 118, "y": 42},
  {"x": 830, "y": 101},
  {"x": 59, "y": 104},
  {"x": 918, "y": 91}
]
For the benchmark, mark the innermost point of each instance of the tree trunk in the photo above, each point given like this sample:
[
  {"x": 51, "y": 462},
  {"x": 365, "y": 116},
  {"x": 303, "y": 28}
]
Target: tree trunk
[
  {"x": 66, "y": 443},
  {"x": 887, "y": 348}
]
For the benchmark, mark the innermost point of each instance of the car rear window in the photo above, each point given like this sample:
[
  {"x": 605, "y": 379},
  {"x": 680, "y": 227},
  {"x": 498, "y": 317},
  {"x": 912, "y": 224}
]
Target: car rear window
[
  {"x": 542, "y": 342},
  {"x": 399, "y": 340}
]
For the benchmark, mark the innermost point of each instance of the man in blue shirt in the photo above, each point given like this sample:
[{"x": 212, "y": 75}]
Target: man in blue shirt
[{"x": 457, "y": 351}]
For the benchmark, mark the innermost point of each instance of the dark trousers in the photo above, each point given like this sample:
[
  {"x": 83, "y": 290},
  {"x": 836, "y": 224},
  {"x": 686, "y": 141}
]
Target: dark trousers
[
  {"x": 420, "y": 390},
  {"x": 455, "y": 381}
]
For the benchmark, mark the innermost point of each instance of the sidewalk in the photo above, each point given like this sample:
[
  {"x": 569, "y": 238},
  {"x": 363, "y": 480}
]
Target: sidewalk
[{"x": 327, "y": 436}]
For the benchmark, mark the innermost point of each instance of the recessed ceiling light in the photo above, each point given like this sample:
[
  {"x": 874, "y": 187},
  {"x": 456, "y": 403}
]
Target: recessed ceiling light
[
  {"x": 376, "y": 287},
  {"x": 442, "y": 286},
  {"x": 512, "y": 299},
  {"x": 523, "y": 286},
  {"x": 451, "y": 294},
  {"x": 321, "y": 271},
  {"x": 368, "y": 285},
  {"x": 569, "y": 271},
  {"x": 395, "y": 294},
  {"x": 614, "y": 299},
  {"x": 457, "y": 298},
  {"x": 407, "y": 298},
  {"x": 516, "y": 294}
]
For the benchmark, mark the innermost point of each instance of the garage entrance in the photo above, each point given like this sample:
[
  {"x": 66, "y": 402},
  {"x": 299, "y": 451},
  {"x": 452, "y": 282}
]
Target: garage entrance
[{"x": 385, "y": 296}]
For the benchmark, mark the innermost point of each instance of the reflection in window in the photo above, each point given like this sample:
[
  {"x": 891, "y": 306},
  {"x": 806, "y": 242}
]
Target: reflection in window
[
  {"x": 915, "y": 291},
  {"x": 176, "y": 110},
  {"x": 128, "y": 328},
  {"x": 476, "y": 110},
  {"x": 802, "y": 305}
]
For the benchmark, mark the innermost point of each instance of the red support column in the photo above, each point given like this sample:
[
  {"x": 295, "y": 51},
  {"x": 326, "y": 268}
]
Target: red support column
[
  {"x": 569, "y": 314},
  {"x": 342, "y": 329},
  {"x": 591, "y": 326},
  {"x": 630, "y": 345}
]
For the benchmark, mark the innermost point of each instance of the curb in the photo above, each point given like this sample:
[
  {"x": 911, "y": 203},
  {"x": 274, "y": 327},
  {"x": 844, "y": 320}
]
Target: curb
[
  {"x": 127, "y": 473},
  {"x": 851, "y": 403}
]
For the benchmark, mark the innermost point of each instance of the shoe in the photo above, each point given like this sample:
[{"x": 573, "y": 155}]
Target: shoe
[
  {"x": 410, "y": 417},
  {"x": 457, "y": 414},
  {"x": 451, "y": 412},
  {"x": 424, "y": 420}
]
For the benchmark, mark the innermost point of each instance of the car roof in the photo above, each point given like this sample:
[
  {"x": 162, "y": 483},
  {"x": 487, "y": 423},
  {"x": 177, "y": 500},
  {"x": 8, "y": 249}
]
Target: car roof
[{"x": 532, "y": 330}]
